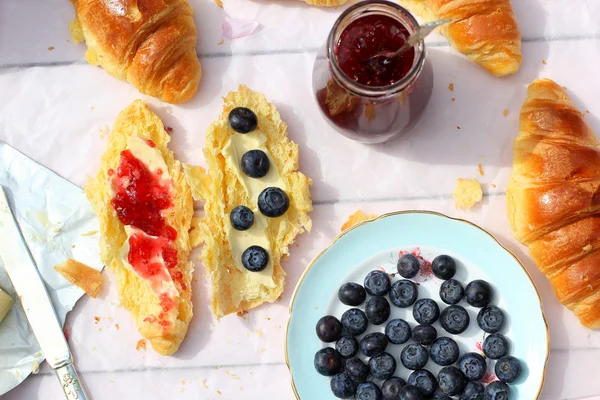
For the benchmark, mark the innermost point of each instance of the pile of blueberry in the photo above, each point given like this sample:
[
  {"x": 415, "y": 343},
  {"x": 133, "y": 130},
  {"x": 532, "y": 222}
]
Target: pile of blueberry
[
  {"x": 272, "y": 202},
  {"x": 460, "y": 375}
]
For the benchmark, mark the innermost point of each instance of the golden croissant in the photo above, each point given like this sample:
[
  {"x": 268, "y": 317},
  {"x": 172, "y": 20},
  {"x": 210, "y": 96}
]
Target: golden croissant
[
  {"x": 148, "y": 43},
  {"x": 486, "y": 31},
  {"x": 554, "y": 198}
]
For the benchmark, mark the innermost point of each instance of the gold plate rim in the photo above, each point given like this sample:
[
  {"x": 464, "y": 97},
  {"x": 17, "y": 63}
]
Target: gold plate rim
[{"x": 390, "y": 214}]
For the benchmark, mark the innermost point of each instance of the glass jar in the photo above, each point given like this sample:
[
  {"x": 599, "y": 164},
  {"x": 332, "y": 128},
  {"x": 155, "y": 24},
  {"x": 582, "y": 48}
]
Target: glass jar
[{"x": 371, "y": 114}]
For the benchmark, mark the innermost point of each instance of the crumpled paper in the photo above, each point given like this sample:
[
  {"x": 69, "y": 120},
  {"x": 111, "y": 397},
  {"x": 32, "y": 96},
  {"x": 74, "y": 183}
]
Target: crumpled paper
[{"x": 57, "y": 223}]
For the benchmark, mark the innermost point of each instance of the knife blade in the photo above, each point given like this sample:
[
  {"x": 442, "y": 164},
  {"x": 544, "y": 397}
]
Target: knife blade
[{"x": 36, "y": 303}]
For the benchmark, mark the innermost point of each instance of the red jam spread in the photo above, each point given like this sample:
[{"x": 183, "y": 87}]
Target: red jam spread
[
  {"x": 140, "y": 198},
  {"x": 367, "y": 36}
]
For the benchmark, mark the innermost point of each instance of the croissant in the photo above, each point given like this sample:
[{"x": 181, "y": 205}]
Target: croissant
[
  {"x": 554, "y": 198},
  {"x": 486, "y": 31},
  {"x": 148, "y": 43}
]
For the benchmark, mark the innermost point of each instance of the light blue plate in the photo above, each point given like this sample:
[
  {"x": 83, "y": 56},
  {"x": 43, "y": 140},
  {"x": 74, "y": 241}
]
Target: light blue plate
[{"x": 377, "y": 244}]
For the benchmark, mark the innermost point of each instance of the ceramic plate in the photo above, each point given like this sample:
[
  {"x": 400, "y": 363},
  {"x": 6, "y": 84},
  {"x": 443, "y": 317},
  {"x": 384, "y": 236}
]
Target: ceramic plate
[{"x": 377, "y": 244}]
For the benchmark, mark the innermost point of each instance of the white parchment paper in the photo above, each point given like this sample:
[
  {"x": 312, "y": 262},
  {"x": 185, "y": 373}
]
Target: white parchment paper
[{"x": 57, "y": 223}]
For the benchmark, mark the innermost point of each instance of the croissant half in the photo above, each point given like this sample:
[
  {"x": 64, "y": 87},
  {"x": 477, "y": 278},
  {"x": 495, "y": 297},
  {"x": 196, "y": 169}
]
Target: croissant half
[
  {"x": 148, "y": 43},
  {"x": 486, "y": 31},
  {"x": 554, "y": 198}
]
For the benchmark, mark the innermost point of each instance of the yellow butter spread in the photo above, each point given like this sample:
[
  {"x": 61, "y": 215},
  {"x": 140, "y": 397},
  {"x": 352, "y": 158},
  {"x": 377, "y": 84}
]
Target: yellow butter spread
[{"x": 237, "y": 145}]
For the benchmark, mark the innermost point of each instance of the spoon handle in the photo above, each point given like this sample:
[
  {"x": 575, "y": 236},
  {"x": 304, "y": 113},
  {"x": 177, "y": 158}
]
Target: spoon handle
[{"x": 424, "y": 30}]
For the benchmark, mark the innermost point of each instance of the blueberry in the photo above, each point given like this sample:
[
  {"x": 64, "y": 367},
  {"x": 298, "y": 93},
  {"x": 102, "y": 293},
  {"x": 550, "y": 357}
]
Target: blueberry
[
  {"x": 328, "y": 361},
  {"x": 410, "y": 392},
  {"x": 255, "y": 258},
  {"x": 241, "y": 218},
  {"x": 424, "y": 334},
  {"x": 426, "y": 311},
  {"x": 377, "y": 283},
  {"x": 382, "y": 366},
  {"x": 368, "y": 391},
  {"x": 354, "y": 322},
  {"x": 495, "y": 346},
  {"x": 479, "y": 293},
  {"x": 455, "y": 319},
  {"x": 451, "y": 291},
  {"x": 451, "y": 381},
  {"x": 497, "y": 391},
  {"x": 403, "y": 293},
  {"x": 357, "y": 370},
  {"x": 255, "y": 163},
  {"x": 443, "y": 267},
  {"x": 490, "y": 319},
  {"x": 273, "y": 202},
  {"x": 342, "y": 386},
  {"x": 391, "y": 388},
  {"x": 473, "y": 391},
  {"x": 414, "y": 356},
  {"x": 508, "y": 369},
  {"x": 347, "y": 346},
  {"x": 473, "y": 366},
  {"x": 352, "y": 294},
  {"x": 444, "y": 351},
  {"x": 377, "y": 310},
  {"x": 408, "y": 266},
  {"x": 425, "y": 381},
  {"x": 242, "y": 120},
  {"x": 373, "y": 344},
  {"x": 397, "y": 331},
  {"x": 329, "y": 329}
]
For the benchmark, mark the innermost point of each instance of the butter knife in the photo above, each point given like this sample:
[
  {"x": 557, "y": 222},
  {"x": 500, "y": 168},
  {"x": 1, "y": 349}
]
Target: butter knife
[{"x": 28, "y": 284}]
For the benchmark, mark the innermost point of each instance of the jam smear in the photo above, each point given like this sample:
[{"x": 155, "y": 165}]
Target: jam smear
[
  {"x": 140, "y": 197},
  {"x": 367, "y": 36}
]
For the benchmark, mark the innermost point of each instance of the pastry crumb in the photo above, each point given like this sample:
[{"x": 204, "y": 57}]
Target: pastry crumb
[
  {"x": 93, "y": 348},
  {"x": 219, "y": 3},
  {"x": 467, "y": 193},
  {"x": 451, "y": 87},
  {"x": 457, "y": 127},
  {"x": 453, "y": 99},
  {"x": 218, "y": 391},
  {"x": 96, "y": 320},
  {"x": 99, "y": 329},
  {"x": 564, "y": 87},
  {"x": 89, "y": 233},
  {"x": 117, "y": 326},
  {"x": 358, "y": 216},
  {"x": 480, "y": 168},
  {"x": 221, "y": 42},
  {"x": 242, "y": 313},
  {"x": 262, "y": 350},
  {"x": 544, "y": 62},
  {"x": 493, "y": 185},
  {"x": 181, "y": 390},
  {"x": 86, "y": 278},
  {"x": 587, "y": 248},
  {"x": 92, "y": 107},
  {"x": 35, "y": 367},
  {"x": 50, "y": 48},
  {"x": 141, "y": 345},
  {"x": 259, "y": 332},
  {"x": 586, "y": 111},
  {"x": 203, "y": 381},
  {"x": 505, "y": 112}
]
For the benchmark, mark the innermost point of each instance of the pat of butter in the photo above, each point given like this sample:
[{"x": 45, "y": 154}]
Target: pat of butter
[
  {"x": 6, "y": 303},
  {"x": 150, "y": 156},
  {"x": 237, "y": 145}
]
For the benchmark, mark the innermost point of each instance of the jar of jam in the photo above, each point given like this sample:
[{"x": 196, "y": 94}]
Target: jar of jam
[{"x": 372, "y": 99}]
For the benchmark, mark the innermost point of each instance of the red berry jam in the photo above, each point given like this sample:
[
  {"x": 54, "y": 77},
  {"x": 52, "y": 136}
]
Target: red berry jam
[
  {"x": 367, "y": 36},
  {"x": 140, "y": 198}
]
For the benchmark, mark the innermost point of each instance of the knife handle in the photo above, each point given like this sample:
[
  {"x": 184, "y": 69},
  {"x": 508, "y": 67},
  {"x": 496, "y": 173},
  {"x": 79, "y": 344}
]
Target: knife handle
[{"x": 70, "y": 382}]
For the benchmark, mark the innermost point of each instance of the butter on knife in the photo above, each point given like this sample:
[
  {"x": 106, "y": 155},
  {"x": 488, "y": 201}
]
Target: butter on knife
[{"x": 6, "y": 303}]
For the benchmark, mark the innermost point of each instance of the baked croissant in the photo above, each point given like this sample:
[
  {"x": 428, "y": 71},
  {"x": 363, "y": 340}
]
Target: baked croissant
[
  {"x": 148, "y": 43},
  {"x": 554, "y": 198},
  {"x": 485, "y": 31}
]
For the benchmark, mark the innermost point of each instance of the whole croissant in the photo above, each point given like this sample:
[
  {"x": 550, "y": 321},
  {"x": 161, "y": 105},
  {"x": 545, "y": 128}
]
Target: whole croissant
[
  {"x": 554, "y": 197},
  {"x": 486, "y": 31},
  {"x": 148, "y": 43}
]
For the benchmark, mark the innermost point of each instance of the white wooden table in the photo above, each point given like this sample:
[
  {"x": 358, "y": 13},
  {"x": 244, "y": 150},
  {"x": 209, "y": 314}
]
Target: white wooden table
[{"x": 56, "y": 109}]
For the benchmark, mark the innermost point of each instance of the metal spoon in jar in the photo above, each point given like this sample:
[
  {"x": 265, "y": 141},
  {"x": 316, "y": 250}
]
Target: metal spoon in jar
[{"x": 420, "y": 34}]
